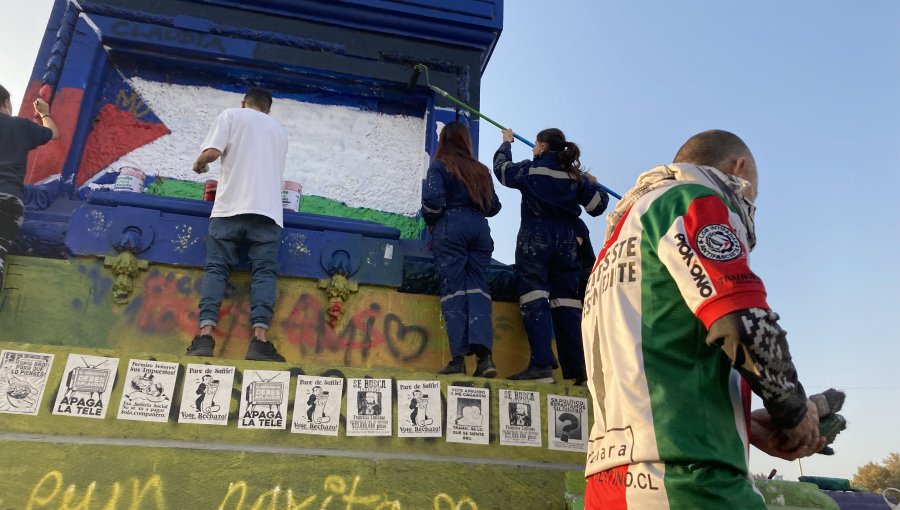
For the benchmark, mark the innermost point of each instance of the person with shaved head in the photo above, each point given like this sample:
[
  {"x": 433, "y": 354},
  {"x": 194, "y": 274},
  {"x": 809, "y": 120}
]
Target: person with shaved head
[{"x": 676, "y": 327}]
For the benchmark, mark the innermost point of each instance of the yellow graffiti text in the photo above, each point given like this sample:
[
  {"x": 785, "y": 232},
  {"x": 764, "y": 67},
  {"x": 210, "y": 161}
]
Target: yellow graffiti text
[
  {"x": 452, "y": 504},
  {"x": 49, "y": 493},
  {"x": 338, "y": 493}
]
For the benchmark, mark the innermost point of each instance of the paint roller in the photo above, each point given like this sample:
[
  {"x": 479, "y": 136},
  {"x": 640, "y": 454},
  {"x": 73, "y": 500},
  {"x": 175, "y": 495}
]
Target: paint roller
[{"x": 422, "y": 69}]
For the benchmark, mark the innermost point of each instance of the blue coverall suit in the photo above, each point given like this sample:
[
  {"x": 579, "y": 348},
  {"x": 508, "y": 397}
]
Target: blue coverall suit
[
  {"x": 547, "y": 254},
  {"x": 462, "y": 253}
]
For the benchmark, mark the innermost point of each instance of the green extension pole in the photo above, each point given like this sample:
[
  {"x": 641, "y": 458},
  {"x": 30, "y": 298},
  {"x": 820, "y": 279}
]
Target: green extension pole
[{"x": 421, "y": 68}]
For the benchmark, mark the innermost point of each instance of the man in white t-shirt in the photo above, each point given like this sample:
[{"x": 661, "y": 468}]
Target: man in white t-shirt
[{"x": 247, "y": 212}]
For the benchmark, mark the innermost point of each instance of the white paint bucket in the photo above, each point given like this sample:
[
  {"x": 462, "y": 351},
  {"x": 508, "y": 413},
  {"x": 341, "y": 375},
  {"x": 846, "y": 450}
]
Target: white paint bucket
[
  {"x": 291, "y": 195},
  {"x": 130, "y": 179}
]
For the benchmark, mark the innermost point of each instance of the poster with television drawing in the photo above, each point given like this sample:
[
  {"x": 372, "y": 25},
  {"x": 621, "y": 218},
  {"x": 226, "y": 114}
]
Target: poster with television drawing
[
  {"x": 264, "y": 399},
  {"x": 86, "y": 385}
]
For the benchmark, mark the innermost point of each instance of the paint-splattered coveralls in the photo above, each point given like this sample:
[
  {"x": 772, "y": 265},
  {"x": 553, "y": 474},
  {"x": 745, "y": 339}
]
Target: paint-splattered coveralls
[
  {"x": 547, "y": 254},
  {"x": 462, "y": 253}
]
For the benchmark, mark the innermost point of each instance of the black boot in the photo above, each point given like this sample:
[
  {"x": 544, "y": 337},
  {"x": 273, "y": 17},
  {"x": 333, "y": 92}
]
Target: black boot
[
  {"x": 456, "y": 366},
  {"x": 485, "y": 366}
]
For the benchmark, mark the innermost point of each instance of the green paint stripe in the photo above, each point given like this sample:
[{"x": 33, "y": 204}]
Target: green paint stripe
[
  {"x": 410, "y": 228},
  {"x": 678, "y": 366},
  {"x": 693, "y": 486}
]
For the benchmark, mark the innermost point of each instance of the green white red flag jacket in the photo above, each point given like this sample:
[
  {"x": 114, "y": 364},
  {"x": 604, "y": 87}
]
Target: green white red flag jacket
[{"x": 663, "y": 388}]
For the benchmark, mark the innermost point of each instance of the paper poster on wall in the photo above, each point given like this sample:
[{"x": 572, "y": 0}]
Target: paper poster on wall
[
  {"x": 520, "y": 418},
  {"x": 86, "y": 385},
  {"x": 419, "y": 409},
  {"x": 317, "y": 405},
  {"x": 369, "y": 407},
  {"x": 206, "y": 395},
  {"x": 264, "y": 399},
  {"x": 148, "y": 391},
  {"x": 468, "y": 415},
  {"x": 23, "y": 377},
  {"x": 567, "y": 423}
]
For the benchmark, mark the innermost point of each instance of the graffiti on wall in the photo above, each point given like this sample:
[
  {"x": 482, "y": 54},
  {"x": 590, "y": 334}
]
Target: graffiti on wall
[
  {"x": 167, "y": 305},
  {"x": 380, "y": 326},
  {"x": 337, "y": 492}
]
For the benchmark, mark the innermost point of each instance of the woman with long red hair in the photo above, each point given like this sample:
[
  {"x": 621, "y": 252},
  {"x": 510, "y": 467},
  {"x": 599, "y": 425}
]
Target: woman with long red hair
[{"x": 457, "y": 197}]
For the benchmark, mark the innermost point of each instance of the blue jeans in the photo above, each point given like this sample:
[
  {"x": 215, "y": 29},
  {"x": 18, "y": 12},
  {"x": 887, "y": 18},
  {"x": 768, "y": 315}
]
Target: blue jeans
[{"x": 226, "y": 235}]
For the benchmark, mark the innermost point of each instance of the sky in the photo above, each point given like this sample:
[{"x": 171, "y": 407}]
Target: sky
[{"x": 811, "y": 86}]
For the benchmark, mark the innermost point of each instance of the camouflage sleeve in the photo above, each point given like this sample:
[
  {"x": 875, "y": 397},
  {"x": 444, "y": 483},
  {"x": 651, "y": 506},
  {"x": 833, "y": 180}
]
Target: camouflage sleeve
[{"x": 758, "y": 350}]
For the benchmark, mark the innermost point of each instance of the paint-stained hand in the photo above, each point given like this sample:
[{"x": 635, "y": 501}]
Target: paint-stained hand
[
  {"x": 791, "y": 444},
  {"x": 41, "y": 107},
  {"x": 508, "y": 136},
  {"x": 200, "y": 167}
]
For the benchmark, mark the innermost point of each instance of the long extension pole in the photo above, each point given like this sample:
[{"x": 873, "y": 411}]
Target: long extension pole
[{"x": 420, "y": 68}]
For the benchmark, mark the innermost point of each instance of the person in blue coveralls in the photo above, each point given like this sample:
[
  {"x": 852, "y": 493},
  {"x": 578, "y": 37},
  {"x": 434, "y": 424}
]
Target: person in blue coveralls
[
  {"x": 554, "y": 188},
  {"x": 457, "y": 197}
]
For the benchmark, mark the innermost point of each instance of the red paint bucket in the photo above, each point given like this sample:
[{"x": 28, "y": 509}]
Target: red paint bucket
[{"x": 209, "y": 190}]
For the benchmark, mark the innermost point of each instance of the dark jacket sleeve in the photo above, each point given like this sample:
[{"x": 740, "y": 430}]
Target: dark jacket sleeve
[
  {"x": 510, "y": 174},
  {"x": 592, "y": 197},
  {"x": 495, "y": 205},
  {"x": 36, "y": 134},
  {"x": 758, "y": 350},
  {"x": 434, "y": 193}
]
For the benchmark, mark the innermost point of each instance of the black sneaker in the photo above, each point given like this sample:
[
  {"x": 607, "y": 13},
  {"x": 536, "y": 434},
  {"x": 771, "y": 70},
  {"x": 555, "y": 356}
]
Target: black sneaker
[
  {"x": 534, "y": 374},
  {"x": 581, "y": 380},
  {"x": 262, "y": 351},
  {"x": 485, "y": 367},
  {"x": 202, "y": 345},
  {"x": 456, "y": 366}
]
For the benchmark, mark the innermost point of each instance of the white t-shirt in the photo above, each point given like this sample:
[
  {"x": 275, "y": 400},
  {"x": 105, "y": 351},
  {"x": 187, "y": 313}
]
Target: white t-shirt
[{"x": 254, "y": 147}]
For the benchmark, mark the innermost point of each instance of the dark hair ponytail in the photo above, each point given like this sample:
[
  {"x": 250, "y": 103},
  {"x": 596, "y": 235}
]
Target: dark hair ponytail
[
  {"x": 4, "y": 94},
  {"x": 568, "y": 153}
]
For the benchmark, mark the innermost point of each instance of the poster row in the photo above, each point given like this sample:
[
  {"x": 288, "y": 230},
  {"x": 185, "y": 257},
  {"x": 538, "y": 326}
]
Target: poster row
[{"x": 87, "y": 382}]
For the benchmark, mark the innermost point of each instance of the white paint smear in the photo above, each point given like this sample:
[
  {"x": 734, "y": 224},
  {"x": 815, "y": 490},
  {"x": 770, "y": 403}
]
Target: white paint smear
[{"x": 364, "y": 159}]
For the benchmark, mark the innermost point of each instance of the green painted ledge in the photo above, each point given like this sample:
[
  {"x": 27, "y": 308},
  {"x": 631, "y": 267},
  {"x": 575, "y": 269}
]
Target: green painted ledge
[
  {"x": 110, "y": 427},
  {"x": 410, "y": 228},
  {"x": 68, "y": 462}
]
